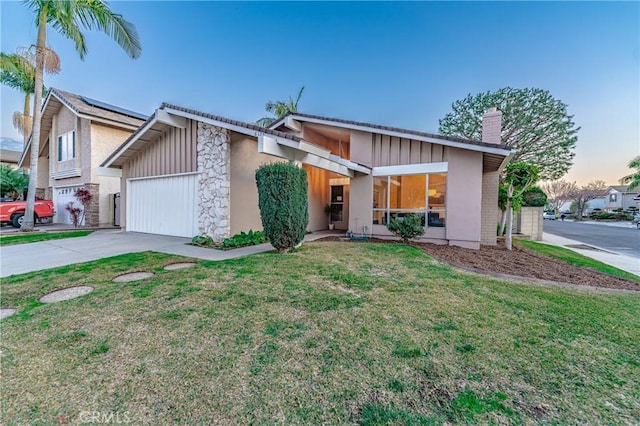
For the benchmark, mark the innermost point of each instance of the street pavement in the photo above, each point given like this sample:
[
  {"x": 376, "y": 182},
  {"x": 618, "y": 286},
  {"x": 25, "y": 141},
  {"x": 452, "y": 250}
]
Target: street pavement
[{"x": 618, "y": 239}]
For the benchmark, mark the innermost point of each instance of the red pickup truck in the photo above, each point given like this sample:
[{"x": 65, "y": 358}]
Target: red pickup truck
[{"x": 12, "y": 212}]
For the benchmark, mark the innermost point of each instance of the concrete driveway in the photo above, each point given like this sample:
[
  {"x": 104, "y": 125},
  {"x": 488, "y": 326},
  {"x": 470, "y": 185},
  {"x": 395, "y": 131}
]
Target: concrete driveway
[{"x": 23, "y": 258}]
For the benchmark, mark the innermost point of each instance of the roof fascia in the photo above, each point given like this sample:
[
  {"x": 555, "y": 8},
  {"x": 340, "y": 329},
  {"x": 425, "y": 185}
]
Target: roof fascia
[{"x": 361, "y": 128}]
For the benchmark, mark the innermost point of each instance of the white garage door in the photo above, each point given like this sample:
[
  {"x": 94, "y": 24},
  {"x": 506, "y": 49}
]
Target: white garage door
[
  {"x": 64, "y": 196},
  {"x": 163, "y": 205}
]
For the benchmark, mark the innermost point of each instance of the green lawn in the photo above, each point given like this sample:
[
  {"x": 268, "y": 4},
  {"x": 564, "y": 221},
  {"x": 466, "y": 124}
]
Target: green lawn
[
  {"x": 333, "y": 333},
  {"x": 574, "y": 258},
  {"x": 9, "y": 240}
]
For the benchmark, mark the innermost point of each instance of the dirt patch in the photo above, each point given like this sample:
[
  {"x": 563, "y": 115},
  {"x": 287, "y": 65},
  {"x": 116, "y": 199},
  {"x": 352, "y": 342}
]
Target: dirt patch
[
  {"x": 132, "y": 276},
  {"x": 66, "y": 294},
  {"x": 516, "y": 263},
  {"x": 179, "y": 265}
]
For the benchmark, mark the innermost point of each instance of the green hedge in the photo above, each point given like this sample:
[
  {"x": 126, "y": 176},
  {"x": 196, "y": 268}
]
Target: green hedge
[
  {"x": 282, "y": 198},
  {"x": 534, "y": 197}
]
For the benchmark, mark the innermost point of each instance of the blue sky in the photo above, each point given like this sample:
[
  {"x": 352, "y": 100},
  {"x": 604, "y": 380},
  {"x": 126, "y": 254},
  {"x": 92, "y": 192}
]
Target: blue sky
[{"x": 399, "y": 64}]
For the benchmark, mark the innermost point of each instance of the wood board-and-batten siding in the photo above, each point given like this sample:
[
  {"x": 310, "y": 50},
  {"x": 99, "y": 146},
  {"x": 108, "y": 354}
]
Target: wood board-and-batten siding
[
  {"x": 394, "y": 151},
  {"x": 171, "y": 152}
]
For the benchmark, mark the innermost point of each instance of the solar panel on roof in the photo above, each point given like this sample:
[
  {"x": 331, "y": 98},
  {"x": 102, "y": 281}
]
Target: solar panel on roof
[{"x": 109, "y": 107}]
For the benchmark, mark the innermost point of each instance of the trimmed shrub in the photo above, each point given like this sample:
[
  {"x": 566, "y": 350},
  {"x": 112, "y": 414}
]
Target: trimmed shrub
[
  {"x": 244, "y": 239},
  {"x": 534, "y": 197},
  {"x": 202, "y": 240},
  {"x": 282, "y": 198},
  {"x": 408, "y": 227}
]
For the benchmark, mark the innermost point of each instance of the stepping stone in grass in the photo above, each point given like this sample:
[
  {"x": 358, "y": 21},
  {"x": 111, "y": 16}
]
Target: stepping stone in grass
[
  {"x": 66, "y": 294},
  {"x": 7, "y": 312},
  {"x": 179, "y": 265},
  {"x": 132, "y": 276}
]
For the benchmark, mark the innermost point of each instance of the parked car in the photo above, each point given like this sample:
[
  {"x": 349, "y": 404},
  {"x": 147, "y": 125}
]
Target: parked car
[
  {"x": 549, "y": 216},
  {"x": 13, "y": 212}
]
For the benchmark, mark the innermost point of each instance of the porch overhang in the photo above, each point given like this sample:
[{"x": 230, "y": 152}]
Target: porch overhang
[{"x": 310, "y": 154}]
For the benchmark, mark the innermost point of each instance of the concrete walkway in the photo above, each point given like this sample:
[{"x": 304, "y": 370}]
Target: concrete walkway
[
  {"x": 23, "y": 258},
  {"x": 626, "y": 263}
]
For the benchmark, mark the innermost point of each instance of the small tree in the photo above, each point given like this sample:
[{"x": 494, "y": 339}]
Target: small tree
[
  {"x": 582, "y": 195},
  {"x": 78, "y": 214},
  {"x": 558, "y": 192},
  {"x": 534, "y": 197},
  {"x": 518, "y": 178},
  {"x": 407, "y": 228},
  {"x": 13, "y": 182},
  {"x": 284, "y": 209}
]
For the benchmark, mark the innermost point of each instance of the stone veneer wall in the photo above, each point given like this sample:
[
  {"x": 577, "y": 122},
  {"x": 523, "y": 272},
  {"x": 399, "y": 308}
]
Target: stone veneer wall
[
  {"x": 92, "y": 216},
  {"x": 214, "y": 166}
]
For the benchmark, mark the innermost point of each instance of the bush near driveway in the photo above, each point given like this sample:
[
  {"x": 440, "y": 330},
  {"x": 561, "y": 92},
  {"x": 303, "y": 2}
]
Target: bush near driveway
[
  {"x": 282, "y": 198},
  {"x": 333, "y": 333}
]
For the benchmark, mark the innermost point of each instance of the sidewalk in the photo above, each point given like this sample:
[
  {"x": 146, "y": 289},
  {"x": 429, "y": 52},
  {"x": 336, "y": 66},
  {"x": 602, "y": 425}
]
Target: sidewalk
[
  {"x": 613, "y": 224},
  {"x": 620, "y": 261}
]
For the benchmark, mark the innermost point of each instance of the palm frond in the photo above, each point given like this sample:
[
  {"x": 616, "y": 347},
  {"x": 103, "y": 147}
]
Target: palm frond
[
  {"x": 64, "y": 24},
  {"x": 23, "y": 123},
  {"x": 265, "y": 121},
  {"x": 95, "y": 14}
]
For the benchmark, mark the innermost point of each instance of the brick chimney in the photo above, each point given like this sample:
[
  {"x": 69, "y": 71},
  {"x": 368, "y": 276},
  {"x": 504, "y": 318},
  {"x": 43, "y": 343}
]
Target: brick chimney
[{"x": 492, "y": 125}]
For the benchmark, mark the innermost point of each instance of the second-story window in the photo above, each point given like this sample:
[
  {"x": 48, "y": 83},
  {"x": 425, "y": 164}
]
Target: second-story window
[{"x": 67, "y": 146}]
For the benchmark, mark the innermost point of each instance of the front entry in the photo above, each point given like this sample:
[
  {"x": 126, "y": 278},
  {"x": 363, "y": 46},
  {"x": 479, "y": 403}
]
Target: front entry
[{"x": 339, "y": 199}]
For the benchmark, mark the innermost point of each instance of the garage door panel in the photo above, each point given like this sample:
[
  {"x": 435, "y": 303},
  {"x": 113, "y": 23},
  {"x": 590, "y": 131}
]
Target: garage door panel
[{"x": 164, "y": 205}]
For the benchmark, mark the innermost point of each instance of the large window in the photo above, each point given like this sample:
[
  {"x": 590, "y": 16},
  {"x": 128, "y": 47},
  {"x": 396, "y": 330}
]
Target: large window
[
  {"x": 398, "y": 196},
  {"x": 67, "y": 146}
]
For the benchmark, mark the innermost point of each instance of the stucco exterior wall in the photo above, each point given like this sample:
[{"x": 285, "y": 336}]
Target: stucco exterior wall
[
  {"x": 318, "y": 194},
  {"x": 105, "y": 140},
  {"x": 43, "y": 172},
  {"x": 361, "y": 148},
  {"x": 464, "y": 197},
  {"x": 245, "y": 159},
  {"x": 361, "y": 210}
]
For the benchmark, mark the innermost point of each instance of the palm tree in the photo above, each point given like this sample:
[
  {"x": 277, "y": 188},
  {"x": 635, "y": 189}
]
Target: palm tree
[
  {"x": 69, "y": 18},
  {"x": 634, "y": 178},
  {"x": 18, "y": 71},
  {"x": 280, "y": 109}
]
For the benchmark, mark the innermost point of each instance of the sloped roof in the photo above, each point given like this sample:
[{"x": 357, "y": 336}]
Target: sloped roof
[
  {"x": 8, "y": 156},
  {"x": 248, "y": 128},
  {"x": 83, "y": 105},
  {"x": 374, "y": 127},
  {"x": 620, "y": 188}
]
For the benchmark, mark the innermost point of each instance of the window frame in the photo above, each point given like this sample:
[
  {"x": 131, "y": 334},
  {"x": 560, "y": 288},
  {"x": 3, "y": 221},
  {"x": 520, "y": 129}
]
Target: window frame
[
  {"x": 388, "y": 211},
  {"x": 67, "y": 146}
]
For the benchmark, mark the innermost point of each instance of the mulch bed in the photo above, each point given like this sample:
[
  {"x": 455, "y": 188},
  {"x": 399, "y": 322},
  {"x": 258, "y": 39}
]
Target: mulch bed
[{"x": 497, "y": 260}]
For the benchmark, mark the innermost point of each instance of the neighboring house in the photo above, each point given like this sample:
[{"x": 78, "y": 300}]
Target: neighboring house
[
  {"x": 619, "y": 196},
  {"x": 78, "y": 133},
  {"x": 9, "y": 158},
  {"x": 186, "y": 173},
  {"x": 596, "y": 203}
]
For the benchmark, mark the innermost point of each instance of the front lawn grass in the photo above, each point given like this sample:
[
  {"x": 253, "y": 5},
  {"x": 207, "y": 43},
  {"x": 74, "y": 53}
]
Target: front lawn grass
[
  {"x": 332, "y": 333},
  {"x": 573, "y": 258},
  {"x": 9, "y": 240}
]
